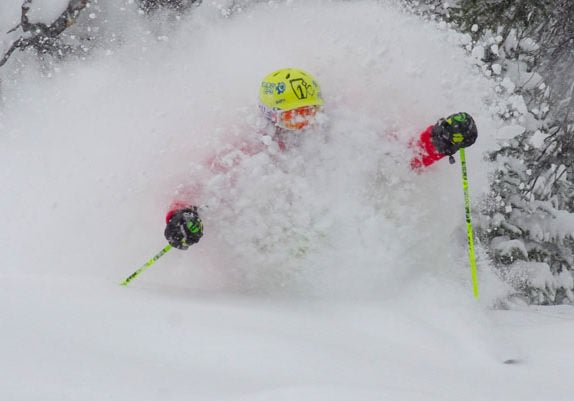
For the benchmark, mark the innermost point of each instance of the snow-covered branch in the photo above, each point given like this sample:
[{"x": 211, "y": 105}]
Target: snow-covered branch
[{"x": 40, "y": 36}]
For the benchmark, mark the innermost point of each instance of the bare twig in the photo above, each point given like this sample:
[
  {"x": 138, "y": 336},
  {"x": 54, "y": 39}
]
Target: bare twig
[
  {"x": 42, "y": 36},
  {"x": 17, "y": 44},
  {"x": 14, "y": 29}
]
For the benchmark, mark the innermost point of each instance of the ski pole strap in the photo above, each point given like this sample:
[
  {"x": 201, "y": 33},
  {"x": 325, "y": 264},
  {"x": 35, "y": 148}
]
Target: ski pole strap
[
  {"x": 471, "y": 255},
  {"x": 150, "y": 262}
]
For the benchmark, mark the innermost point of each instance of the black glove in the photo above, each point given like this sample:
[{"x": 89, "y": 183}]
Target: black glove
[
  {"x": 454, "y": 132},
  {"x": 184, "y": 228}
]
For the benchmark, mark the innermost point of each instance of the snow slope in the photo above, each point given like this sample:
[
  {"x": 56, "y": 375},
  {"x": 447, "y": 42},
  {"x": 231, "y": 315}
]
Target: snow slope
[
  {"x": 330, "y": 271},
  {"x": 78, "y": 340}
]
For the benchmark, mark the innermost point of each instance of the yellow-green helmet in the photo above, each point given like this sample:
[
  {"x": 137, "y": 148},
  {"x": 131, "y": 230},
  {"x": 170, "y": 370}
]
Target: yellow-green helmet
[{"x": 289, "y": 88}]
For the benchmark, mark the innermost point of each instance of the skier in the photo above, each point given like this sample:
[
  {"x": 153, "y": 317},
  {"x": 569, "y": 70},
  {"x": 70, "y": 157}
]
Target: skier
[{"x": 290, "y": 99}]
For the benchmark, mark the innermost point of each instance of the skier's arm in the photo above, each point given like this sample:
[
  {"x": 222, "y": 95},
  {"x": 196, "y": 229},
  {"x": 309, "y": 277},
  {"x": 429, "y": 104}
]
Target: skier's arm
[
  {"x": 183, "y": 223},
  {"x": 444, "y": 138}
]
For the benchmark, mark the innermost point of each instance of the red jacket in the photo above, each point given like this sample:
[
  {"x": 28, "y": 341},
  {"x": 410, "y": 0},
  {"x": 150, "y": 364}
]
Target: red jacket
[{"x": 425, "y": 155}]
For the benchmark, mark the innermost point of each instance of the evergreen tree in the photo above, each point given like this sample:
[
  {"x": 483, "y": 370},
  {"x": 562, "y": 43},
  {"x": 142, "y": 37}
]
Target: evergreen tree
[{"x": 528, "y": 222}]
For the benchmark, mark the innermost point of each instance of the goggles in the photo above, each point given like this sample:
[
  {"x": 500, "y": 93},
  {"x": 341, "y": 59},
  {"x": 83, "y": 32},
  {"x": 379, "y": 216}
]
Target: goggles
[{"x": 296, "y": 119}]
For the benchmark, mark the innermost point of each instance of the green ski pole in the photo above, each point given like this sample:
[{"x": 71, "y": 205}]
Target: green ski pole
[
  {"x": 471, "y": 255},
  {"x": 147, "y": 264}
]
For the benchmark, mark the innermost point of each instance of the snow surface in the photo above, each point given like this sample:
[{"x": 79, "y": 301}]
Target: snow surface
[
  {"x": 328, "y": 272},
  {"x": 45, "y": 11}
]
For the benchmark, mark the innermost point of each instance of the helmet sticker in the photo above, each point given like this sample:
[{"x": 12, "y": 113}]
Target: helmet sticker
[
  {"x": 310, "y": 90},
  {"x": 280, "y": 88},
  {"x": 301, "y": 88},
  {"x": 268, "y": 87}
]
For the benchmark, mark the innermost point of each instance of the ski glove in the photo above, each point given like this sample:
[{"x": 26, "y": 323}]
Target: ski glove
[
  {"x": 184, "y": 228},
  {"x": 453, "y": 132}
]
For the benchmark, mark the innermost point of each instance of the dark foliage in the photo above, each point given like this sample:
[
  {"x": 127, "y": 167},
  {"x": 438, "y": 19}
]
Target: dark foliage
[
  {"x": 532, "y": 190},
  {"x": 177, "y": 5},
  {"x": 44, "y": 38}
]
